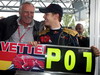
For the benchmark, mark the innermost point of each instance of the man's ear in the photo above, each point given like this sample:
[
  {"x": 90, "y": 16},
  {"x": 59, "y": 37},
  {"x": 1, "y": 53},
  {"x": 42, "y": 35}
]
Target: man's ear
[{"x": 57, "y": 16}]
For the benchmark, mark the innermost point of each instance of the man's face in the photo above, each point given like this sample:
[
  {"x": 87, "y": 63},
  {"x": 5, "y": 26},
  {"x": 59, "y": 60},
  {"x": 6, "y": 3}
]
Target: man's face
[
  {"x": 79, "y": 29},
  {"x": 49, "y": 19},
  {"x": 27, "y": 13}
]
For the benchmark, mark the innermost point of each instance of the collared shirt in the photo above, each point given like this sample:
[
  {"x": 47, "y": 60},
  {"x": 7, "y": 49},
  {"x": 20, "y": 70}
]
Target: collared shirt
[{"x": 22, "y": 34}]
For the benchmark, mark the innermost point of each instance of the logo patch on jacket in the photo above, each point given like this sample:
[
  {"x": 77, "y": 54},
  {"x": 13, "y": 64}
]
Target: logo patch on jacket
[{"x": 45, "y": 39}]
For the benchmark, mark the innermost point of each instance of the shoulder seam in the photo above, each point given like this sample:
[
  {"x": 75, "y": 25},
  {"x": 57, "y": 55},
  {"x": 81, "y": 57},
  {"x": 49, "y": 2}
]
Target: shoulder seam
[{"x": 70, "y": 31}]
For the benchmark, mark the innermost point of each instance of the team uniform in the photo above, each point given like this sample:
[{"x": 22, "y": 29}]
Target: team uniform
[{"x": 62, "y": 36}]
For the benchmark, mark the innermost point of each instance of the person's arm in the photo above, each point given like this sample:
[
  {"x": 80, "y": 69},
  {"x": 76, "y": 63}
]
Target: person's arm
[{"x": 2, "y": 29}]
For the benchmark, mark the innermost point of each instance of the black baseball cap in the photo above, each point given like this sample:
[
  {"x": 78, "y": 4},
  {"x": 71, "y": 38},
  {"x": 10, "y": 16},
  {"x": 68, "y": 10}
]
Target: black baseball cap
[{"x": 53, "y": 8}]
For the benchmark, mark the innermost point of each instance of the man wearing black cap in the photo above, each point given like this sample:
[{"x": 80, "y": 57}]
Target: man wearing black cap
[{"x": 55, "y": 34}]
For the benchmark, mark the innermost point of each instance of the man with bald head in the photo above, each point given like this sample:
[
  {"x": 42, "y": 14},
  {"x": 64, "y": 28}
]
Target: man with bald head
[
  {"x": 79, "y": 28},
  {"x": 83, "y": 40}
]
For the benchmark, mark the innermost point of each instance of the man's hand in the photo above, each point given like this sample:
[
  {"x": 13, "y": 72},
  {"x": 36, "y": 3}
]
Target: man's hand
[
  {"x": 95, "y": 51},
  {"x": 34, "y": 43}
]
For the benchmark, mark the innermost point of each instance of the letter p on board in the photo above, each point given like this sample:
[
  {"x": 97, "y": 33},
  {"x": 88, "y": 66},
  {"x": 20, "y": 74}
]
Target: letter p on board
[{"x": 52, "y": 58}]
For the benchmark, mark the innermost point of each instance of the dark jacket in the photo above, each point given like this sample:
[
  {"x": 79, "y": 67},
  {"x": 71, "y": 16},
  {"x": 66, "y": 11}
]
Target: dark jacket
[
  {"x": 83, "y": 41},
  {"x": 63, "y": 36},
  {"x": 9, "y": 25}
]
